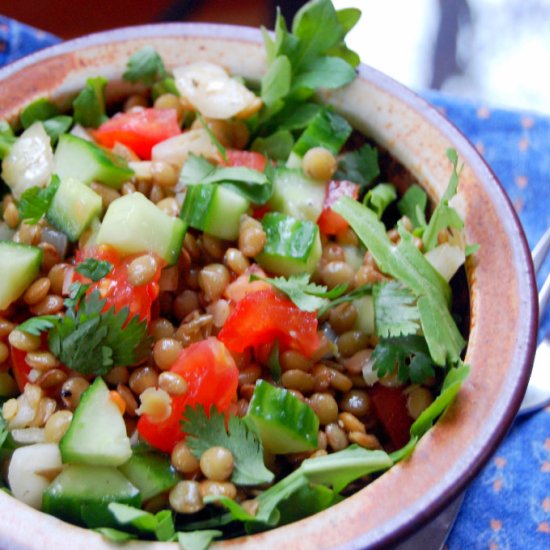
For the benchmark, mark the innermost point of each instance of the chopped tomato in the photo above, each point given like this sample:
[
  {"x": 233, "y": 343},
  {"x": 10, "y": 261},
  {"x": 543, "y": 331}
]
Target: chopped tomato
[
  {"x": 140, "y": 130},
  {"x": 248, "y": 159},
  {"x": 212, "y": 379},
  {"x": 264, "y": 316},
  {"x": 331, "y": 223},
  {"x": 242, "y": 285},
  {"x": 20, "y": 368},
  {"x": 115, "y": 287},
  {"x": 390, "y": 407}
]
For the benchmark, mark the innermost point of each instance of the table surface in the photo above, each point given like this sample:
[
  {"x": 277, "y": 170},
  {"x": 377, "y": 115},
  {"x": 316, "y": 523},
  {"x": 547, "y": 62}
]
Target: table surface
[{"x": 508, "y": 505}]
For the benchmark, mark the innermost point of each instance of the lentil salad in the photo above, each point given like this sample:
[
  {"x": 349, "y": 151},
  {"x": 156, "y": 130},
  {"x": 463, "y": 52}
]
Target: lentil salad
[{"x": 292, "y": 304}]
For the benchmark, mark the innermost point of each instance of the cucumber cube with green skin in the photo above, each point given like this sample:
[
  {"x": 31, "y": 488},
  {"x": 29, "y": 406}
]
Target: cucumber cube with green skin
[
  {"x": 19, "y": 267},
  {"x": 97, "y": 433},
  {"x": 81, "y": 494},
  {"x": 151, "y": 473},
  {"x": 297, "y": 195},
  {"x": 214, "y": 209},
  {"x": 285, "y": 424},
  {"x": 292, "y": 247},
  {"x": 73, "y": 208},
  {"x": 133, "y": 225},
  {"x": 88, "y": 162}
]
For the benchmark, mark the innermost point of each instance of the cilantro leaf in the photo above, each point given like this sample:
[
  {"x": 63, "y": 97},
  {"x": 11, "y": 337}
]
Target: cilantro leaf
[
  {"x": 353, "y": 295},
  {"x": 197, "y": 540},
  {"x": 35, "y": 201},
  {"x": 380, "y": 197},
  {"x": 277, "y": 146},
  {"x": 360, "y": 166},
  {"x": 204, "y": 432},
  {"x": 413, "y": 205},
  {"x": 307, "y": 296},
  {"x": 407, "y": 264},
  {"x": 395, "y": 310},
  {"x": 94, "y": 269},
  {"x": 409, "y": 353},
  {"x": 145, "y": 66},
  {"x": 89, "y": 104},
  {"x": 36, "y": 325},
  {"x": 444, "y": 216},
  {"x": 160, "y": 524}
]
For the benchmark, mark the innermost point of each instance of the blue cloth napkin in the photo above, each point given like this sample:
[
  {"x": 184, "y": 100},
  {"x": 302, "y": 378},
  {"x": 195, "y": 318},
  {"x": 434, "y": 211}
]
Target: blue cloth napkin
[{"x": 508, "y": 504}]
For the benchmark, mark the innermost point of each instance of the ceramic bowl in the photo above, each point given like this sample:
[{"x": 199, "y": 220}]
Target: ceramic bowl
[{"x": 503, "y": 309}]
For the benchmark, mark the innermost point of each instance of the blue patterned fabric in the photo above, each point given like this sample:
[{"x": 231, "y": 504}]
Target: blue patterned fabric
[{"x": 508, "y": 505}]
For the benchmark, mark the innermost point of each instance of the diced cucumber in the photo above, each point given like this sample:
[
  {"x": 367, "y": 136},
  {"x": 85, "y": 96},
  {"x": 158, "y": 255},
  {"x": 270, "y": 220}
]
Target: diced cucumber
[
  {"x": 73, "y": 208},
  {"x": 19, "y": 267},
  {"x": 327, "y": 129},
  {"x": 134, "y": 224},
  {"x": 151, "y": 473},
  {"x": 214, "y": 209},
  {"x": 285, "y": 424},
  {"x": 292, "y": 247},
  {"x": 365, "y": 314},
  {"x": 86, "y": 161},
  {"x": 97, "y": 434},
  {"x": 297, "y": 195},
  {"x": 81, "y": 494}
]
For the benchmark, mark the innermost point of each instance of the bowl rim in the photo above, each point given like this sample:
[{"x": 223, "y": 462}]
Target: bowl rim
[{"x": 468, "y": 153}]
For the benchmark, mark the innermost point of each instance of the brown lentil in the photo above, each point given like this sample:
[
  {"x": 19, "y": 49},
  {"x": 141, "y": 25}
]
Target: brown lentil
[
  {"x": 347, "y": 237},
  {"x": 236, "y": 261},
  {"x": 172, "y": 383},
  {"x": 250, "y": 374},
  {"x": 190, "y": 244},
  {"x": 213, "y": 246},
  {"x": 156, "y": 404},
  {"x": 343, "y": 317},
  {"x": 337, "y": 273},
  {"x": 50, "y": 257},
  {"x": 41, "y": 360},
  {"x": 166, "y": 351},
  {"x": 321, "y": 440},
  {"x": 52, "y": 378},
  {"x": 250, "y": 506},
  {"x": 294, "y": 360},
  {"x": 322, "y": 376},
  {"x": 169, "y": 206},
  {"x": 10, "y": 408},
  {"x": 57, "y": 425},
  {"x": 72, "y": 390},
  {"x": 28, "y": 234},
  {"x": 185, "y": 303},
  {"x": 220, "y": 128},
  {"x": 240, "y": 135},
  {"x": 252, "y": 237},
  {"x": 298, "y": 380},
  {"x": 46, "y": 407},
  {"x": 118, "y": 400},
  {"x": 133, "y": 101},
  {"x": 418, "y": 399},
  {"x": 24, "y": 341},
  {"x": 218, "y": 488},
  {"x": 128, "y": 188},
  {"x": 56, "y": 276},
  {"x": 11, "y": 215},
  {"x": 107, "y": 194},
  {"x": 213, "y": 279},
  {"x": 163, "y": 174},
  {"x": 4, "y": 352},
  {"x": 219, "y": 310},
  {"x": 191, "y": 278},
  {"x": 368, "y": 441},
  {"x": 339, "y": 381},
  {"x": 49, "y": 305},
  {"x": 117, "y": 375},
  {"x": 319, "y": 163},
  {"x": 169, "y": 101},
  {"x": 185, "y": 497},
  {"x": 318, "y": 453},
  {"x": 156, "y": 504},
  {"x": 143, "y": 378},
  {"x": 350, "y": 342},
  {"x": 217, "y": 463},
  {"x": 242, "y": 407},
  {"x": 37, "y": 291},
  {"x": 142, "y": 270},
  {"x": 183, "y": 459},
  {"x": 366, "y": 275},
  {"x": 246, "y": 391},
  {"x": 325, "y": 407},
  {"x": 336, "y": 437},
  {"x": 333, "y": 253},
  {"x": 350, "y": 423},
  {"x": 125, "y": 152},
  {"x": 5, "y": 327},
  {"x": 157, "y": 193},
  {"x": 356, "y": 402},
  {"x": 355, "y": 364}
]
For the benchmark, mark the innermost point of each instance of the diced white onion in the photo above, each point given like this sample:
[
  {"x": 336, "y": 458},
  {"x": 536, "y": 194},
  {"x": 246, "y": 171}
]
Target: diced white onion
[
  {"x": 79, "y": 131},
  {"x": 369, "y": 374},
  {"x": 29, "y": 162},
  {"x": 57, "y": 239},
  {"x": 446, "y": 259},
  {"x": 28, "y": 436},
  {"x": 212, "y": 91},
  {"x": 142, "y": 170}
]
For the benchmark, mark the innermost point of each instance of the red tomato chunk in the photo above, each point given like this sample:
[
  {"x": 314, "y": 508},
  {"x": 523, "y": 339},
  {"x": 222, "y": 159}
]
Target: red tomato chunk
[
  {"x": 248, "y": 159},
  {"x": 331, "y": 223}
]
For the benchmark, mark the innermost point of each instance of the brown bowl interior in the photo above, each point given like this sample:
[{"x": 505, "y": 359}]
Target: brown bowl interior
[{"x": 502, "y": 290}]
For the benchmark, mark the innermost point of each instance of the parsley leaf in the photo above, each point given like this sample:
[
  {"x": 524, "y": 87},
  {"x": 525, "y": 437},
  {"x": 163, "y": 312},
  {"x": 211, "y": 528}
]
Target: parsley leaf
[
  {"x": 324, "y": 72},
  {"x": 277, "y": 146},
  {"x": 89, "y": 104},
  {"x": 360, "y": 166},
  {"x": 276, "y": 81},
  {"x": 353, "y": 295},
  {"x": 197, "y": 540},
  {"x": 36, "y": 325},
  {"x": 204, "y": 432},
  {"x": 160, "y": 524},
  {"x": 413, "y": 205},
  {"x": 380, "y": 197},
  {"x": 409, "y": 353},
  {"x": 94, "y": 269},
  {"x": 115, "y": 535},
  {"x": 35, "y": 201},
  {"x": 145, "y": 66},
  {"x": 444, "y": 216},
  {"x": 395, "y": 310},
  {"x": 307, "y": 296}
]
